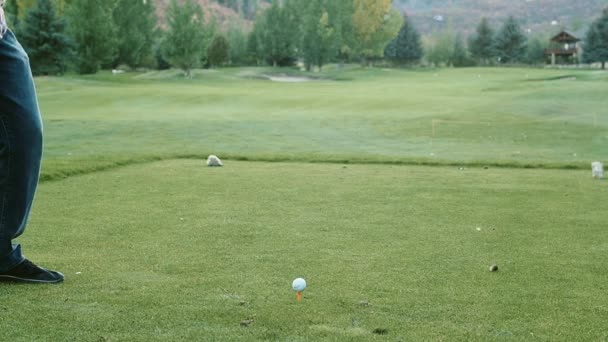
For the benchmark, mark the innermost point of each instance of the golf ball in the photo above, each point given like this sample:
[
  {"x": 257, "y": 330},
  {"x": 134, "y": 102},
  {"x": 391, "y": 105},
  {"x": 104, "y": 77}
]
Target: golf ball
[{"x": 299, "y": 284}]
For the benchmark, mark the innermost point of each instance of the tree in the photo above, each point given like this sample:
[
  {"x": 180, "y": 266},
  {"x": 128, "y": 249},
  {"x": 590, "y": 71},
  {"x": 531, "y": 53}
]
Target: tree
[
  {"x": 42, "y": 36},
  {"x": 24, "y": 6},
  {"x": 596, "y": 41},
  {"x": 218, "y": 52},
  {"x": 276, "y": 31},
  {"x": 440, "y": 49},
  {"x": 511, "y": 42},
  {"x": 184, "y": 43},
  {"x": 254, "y": 48},
  {"x": 318, "y": 45},
  {"x": 481, "y": 44},
  {"x": 535, "y": 53},
  {"x": 237, "y": 40},
  {"x": 135, "y": 20},
  {"x": 341, "y": 19},
  {"x": 459, "y": 56},
  {"x": 373, "y": 20},
  {"x": 11, "y": 11},
  {"x": 93, "y": 33},
  {"x": 406, "y": 47}
]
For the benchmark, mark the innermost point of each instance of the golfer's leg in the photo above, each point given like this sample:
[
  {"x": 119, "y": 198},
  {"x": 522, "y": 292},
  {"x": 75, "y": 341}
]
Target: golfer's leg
[{"x": 20, "y": 147}]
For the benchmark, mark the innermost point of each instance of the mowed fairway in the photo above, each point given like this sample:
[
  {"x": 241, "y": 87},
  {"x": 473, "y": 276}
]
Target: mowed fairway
[
  {"x": 482, "y": 116},
  {"x": 390, "y": 192},
  {"x": 177, "y": 251}
]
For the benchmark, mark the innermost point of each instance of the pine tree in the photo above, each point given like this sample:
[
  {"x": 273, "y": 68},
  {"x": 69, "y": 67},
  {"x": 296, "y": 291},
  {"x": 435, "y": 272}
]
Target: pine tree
[
  {"x": 596, "y": 41},
  {"x": 24, "y": 7},
  {"x": 135, "y": 20},
  {"x": 481, "y": 44},
  {"x": 11, "y": 11},
  {"x": 406, "y": 47},
  {"x": 511, "y": 42},
  {"x": 184, "y": 42},
  {"x": 93, "y": 32},
  {"x": 42, "y": 36},
  {"x": 218, "y": 52}
]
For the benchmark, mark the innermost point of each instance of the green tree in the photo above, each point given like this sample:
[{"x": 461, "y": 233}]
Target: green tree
[
  {"x": 11, "y": 11},
  {"x": 535, "y": 53},
  {"x": 24, "y": 6},
  {"x": 440, "y": 48},
  {"x": 255, "y": 55},
  {"x": 237, "y": 40},
  {"x": 184, "y": 42},
  {"x": 318, "y": 45},
  {"x": 596, "y": 41},
  {"x": 218, "y": 52},
  {"x": 275, "y": 31},
  {"x": 375, "y": 24},
  {"x": 481, "y": 45},
  {"x": 42, "y": 35},
  {"x": 459, "y": 56},
  {"x": 135, "y": 20},
  {"x": 93, "y": 32},
  {"x": 511, "y": 42},
  {"x": 341, "y": 19},
  {"x": 406, "y": 48}
]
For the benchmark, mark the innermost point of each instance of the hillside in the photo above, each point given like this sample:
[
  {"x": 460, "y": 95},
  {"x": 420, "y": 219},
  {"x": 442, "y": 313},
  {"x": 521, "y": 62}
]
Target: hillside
[
  {"x": 537, "y": 16},
  {"x": 222, "y": 15}
]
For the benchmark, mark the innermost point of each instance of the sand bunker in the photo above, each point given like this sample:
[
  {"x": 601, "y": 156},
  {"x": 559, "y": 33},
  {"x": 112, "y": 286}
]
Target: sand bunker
[{"x": 289, "y": 79}]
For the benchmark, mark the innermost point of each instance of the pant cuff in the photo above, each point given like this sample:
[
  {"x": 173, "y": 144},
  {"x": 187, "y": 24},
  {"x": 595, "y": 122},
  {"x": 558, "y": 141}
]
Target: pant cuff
[{"x": 11, "y": 259}]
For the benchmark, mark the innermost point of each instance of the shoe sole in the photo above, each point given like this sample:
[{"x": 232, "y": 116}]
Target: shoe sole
[{"x": 30, "y": 281}]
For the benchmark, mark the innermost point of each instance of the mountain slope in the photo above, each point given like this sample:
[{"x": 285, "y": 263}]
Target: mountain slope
[{"x": 537, "y": 16}]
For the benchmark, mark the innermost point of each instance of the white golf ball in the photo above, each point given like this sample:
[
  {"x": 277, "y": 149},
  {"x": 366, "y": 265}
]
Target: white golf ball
[{"x": 299, "y": 284}]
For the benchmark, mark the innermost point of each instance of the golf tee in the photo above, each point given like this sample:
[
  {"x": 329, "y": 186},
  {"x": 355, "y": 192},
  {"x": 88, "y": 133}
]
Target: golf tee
[{"x": 299, "y": 296}]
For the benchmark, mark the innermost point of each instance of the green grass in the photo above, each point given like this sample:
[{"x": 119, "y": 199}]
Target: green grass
[
  {"x": 503, "y": 117},
  {"x": 370, "y": 183},
  {"x": 175, "y": 251}
]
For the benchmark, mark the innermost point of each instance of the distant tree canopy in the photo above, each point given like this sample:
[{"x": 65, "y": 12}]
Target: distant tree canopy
[
  {"x": 42, "y": 35},
  {"x": 481, "y": 45},
  {"x": 510, "y": 43},
  {"x": 406, "y": 48},
  {"x": 184, "y": 42},
  {"x": 135, "y": 20},
  {"x": 375, "y": 24},
  {"x": 93, "y": 31},
  {"x": 111, "y": 33},
  {"x": 596, "y": 41},
  {"x": 317, "y": 35},
  {"x": 218, "y": 52},
  {"x": 276, "y": 41}
]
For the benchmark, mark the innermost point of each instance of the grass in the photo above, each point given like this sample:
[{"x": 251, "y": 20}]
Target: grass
[
  {"x": 390, "y": 192},
  {"x": 177, "y": 251},
  {"x": 502, "y": 117}
]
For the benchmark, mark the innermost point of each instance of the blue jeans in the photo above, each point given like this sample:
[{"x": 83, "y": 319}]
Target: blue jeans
[{"x": 20, "y": 147}]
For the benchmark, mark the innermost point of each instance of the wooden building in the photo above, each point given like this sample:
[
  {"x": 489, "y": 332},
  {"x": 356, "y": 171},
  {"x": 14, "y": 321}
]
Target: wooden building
[{"x": 563, "y": 48}]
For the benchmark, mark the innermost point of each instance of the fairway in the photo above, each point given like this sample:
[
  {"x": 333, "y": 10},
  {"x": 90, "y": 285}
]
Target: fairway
[
  {"x": 391, "y": 192},
  {"x": 177, "y": 251},
  {"x": 482, "y": 116}
]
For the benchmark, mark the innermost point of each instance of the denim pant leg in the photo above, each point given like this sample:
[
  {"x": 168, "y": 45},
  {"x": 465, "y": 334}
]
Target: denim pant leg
[{"x": 20, "y": 147}]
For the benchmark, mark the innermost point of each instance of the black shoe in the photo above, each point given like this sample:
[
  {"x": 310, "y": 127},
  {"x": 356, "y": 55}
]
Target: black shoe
[{"x": 28, "y": 272}]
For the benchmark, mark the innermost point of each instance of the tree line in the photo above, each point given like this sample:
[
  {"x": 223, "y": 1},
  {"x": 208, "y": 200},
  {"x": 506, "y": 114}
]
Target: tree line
[{"x": 87, "y": 35}]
